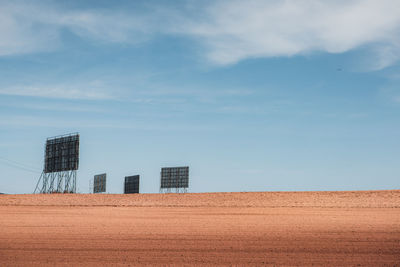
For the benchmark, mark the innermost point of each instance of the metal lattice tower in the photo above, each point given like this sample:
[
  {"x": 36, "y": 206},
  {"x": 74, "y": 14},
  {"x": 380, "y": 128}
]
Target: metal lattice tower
[{"x": 61, "y": 163}]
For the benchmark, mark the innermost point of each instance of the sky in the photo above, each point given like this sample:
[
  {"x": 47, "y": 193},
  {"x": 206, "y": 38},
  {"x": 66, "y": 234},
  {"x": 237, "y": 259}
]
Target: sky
[{"x": 254, "y": 95}]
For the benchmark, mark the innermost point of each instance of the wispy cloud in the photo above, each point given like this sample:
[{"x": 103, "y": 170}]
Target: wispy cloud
[
  {"x": 46, "y": 106},
  {"x": 236, "y": 30},
  {"x": 72, "y": 124},
  {"x": 26, "y": 27},
  {"x": 230, "y": 31},
  {"x": 59, "y": 91},
  {"x": 22, "y": 31},
  {"x": 168, "y": 90}
]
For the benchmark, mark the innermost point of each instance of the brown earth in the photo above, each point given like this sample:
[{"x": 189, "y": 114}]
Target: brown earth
[{"x": 355, "y": 228}]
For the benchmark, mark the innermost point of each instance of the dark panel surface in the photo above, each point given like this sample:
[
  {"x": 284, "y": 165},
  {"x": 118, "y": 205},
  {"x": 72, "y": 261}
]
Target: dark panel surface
[
  {"x": 131, "y": 185},
  {"x": 99, "y": 183},
  {"x": 62, "y": 153},
  {"x": 175, "y": 177}
]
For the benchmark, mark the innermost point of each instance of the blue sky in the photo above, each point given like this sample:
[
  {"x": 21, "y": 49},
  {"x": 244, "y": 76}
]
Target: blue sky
[{"x": 252, "y": 95}]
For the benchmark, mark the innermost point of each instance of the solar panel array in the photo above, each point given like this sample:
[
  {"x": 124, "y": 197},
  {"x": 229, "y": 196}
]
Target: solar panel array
[
  {"x": 62, "y": 154},
  {"x": 62, "y": 161},
  {"x": 174, "y": 177},
  {"x": 99, "y": 183},
  {"x": 131, "y": 185}
]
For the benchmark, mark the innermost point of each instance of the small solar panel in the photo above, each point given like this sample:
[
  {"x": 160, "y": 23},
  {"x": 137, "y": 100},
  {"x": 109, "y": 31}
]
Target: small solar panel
[
  {"x": 99, "y": 183},
  {"x": 131, "y": 185}
]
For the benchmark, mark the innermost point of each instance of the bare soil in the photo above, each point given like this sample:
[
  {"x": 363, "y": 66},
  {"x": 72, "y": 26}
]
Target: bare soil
[{"x": 354, "y": 228}]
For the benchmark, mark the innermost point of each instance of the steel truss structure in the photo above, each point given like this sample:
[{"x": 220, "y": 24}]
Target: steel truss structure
[
  {"x": 61, "y": 162},
  {"x": 91, "y": 186},
  {"x": 174, "y": 190},
  {"x": 57, "y": 182}
]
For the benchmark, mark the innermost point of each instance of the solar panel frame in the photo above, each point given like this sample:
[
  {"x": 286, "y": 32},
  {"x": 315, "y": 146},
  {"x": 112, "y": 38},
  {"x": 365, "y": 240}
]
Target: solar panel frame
[
  {"x": 62, "y": 153},
  {"x": 131, "y": 185},
  {"x": 174, "y": 177},
  {"x": 99, "y": 183}
]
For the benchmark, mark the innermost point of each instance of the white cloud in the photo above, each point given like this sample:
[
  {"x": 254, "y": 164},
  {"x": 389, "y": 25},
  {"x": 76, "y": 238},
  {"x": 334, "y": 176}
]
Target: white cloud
[
  {"x": 27, "y": 27},
  {"x": 236, "y": 30},
  {"x": 22, "y": 33},
  {"x": 229, "y": 30}
]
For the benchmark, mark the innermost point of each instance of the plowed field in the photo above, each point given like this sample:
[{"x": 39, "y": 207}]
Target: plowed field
[{"x": 355, "y": 228}]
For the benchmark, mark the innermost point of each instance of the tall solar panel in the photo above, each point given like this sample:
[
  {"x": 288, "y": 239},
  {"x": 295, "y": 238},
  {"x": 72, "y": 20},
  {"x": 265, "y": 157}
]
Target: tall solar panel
[
  {"x": 99, "y": 183},
  {"x": 131, "y": 185},
  {"x": 174, "y": 178},
  {"x": 61, "y": 161},
  {"x": 62, "y": 154}
]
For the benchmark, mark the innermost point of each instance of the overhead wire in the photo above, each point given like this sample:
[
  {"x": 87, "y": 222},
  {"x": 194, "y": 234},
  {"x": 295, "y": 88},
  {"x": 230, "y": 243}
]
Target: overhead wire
[{"x": 18, "y": 165}]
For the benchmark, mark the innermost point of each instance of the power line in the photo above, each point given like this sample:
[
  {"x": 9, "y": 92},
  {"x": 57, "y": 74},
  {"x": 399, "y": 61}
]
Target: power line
[{"x": 18, "y": 165}]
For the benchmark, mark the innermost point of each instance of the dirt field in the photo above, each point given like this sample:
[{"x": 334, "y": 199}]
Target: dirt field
[{"x": 268, "y": 228}]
